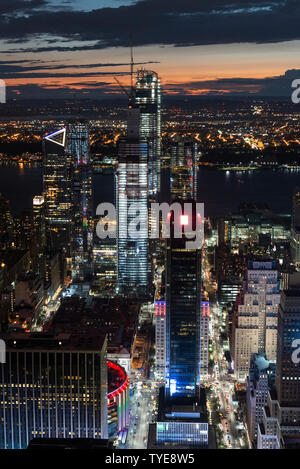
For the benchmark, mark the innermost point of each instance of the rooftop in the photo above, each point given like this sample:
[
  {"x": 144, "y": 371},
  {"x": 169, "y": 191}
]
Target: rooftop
[{"x": 48, "y": 341}]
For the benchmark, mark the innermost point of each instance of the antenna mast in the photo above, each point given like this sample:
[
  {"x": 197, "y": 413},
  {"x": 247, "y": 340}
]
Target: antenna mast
[{"x": 131, "y": 67}]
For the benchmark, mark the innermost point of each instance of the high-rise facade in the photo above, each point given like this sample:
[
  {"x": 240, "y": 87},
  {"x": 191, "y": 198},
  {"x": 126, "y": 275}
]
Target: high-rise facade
[
  {"x": 204, "y": 339},
  {"x": 288, "y": 369},
  {"x": 147, "y": 99},
  {"x": 183, "y": 310},
  {"x": 256, "y": 318},
  {"x": 160, "y": 339},
  {"x": 52, "y": 387},
  {"x": 57, "y": 189},
  {"x": 39, "y": 225},
  {"x": 39, "y": 220},
  {"x": 183, "y": 166},
  {"x": 281, "y": 423},
  {"x": 6, "y": 224},
  {"x": 67, "y": 182},
  {"x": 260, "y": 380},
  {"x": 82, "y": 235},
  {"x": 132, "y": 202},
  {"x": 295, "y": 230}
]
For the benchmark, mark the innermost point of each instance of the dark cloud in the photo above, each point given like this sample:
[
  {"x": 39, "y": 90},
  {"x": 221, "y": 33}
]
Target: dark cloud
[
  {"x": 97, "y": 90},
  {"x": 279, "y": 86},
  {"x": 9, "y": 6},
  {"x": 177, "y": 22},
  {"x": 40, "y": 69}
]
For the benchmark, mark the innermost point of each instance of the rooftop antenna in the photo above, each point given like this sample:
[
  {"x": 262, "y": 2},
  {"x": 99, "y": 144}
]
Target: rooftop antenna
[
  {"x": 130, "y": 93},
  {"x": 131, "y": 67}
]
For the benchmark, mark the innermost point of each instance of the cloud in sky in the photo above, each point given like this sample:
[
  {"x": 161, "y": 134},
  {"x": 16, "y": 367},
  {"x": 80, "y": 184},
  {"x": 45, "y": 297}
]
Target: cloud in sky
[
  {"x": 29, "y": 6},
  {"x": 277, "y": 86},
  {"x": 63, "y": 30},
  {"x": 17, "y": 69},
  {"x": 172, "y": 22}
]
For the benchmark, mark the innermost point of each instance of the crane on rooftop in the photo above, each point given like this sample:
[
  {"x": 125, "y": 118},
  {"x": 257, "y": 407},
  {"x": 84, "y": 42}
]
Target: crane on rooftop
[{"x": 130, "y": 93}]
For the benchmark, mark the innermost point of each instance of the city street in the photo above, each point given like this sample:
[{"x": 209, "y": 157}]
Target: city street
[
  {"x": 223, "y": 389},
  {"x": 141, "y": 414}
]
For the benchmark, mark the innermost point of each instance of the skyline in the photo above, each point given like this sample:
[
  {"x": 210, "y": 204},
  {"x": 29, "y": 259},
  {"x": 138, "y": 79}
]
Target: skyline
[
  {"x": 53, "y": 48},
  {"x": 149, "y": 227}
]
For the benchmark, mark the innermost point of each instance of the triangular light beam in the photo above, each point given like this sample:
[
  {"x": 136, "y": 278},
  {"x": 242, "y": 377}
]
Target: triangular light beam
[{"x": 58, "y": 137}]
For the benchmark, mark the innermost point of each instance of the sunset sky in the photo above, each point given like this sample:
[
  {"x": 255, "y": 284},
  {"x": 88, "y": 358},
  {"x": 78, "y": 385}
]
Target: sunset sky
[{"x": 50, "y": 48}]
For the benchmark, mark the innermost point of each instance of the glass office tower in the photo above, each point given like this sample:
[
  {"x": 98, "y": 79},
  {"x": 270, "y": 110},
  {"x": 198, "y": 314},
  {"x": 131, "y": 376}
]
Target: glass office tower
[
  {"x": 57, "y": 190},
  {"x": 184, "y": 155},
  {"x": 148, "y": 100},
  {"x": 82, "y": 235},
  {"x": 182, "y": 415},
  {"x": 67, "y": 181},
  {"x": 132, "y": 202},
  {"x": 183, "y": 301}
]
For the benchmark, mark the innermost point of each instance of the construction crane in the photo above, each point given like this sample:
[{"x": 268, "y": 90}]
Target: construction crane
[
  {"x": 132, "y": 64},
  {"x": 123, "y": 87}
]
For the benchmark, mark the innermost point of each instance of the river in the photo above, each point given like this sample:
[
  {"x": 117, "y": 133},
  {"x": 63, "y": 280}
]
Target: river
[{"x": 220, "y": 191}]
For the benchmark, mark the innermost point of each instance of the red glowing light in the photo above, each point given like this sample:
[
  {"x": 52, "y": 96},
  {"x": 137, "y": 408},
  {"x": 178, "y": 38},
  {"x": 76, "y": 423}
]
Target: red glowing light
[
  {"x": 124, "y": 384},
  {"x": 160, "y": 309}
]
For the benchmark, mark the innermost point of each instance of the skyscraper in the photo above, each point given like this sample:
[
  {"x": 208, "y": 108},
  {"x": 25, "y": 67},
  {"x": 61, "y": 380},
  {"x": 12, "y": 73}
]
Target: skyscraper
[
  {"x": 184, "y": 170},
  {"x": 82, "y": 236},
  {"x": 281, "y": 422},
  {"x": 53, "y": 387},
  {"x": 57, "y": 189},
  {"x": 182, "y": 415},
  {"x": 204, "y": 339},
  {"x": 39, "y": 224},
  {"x": 295, "y": 230},
  {"x": 287, "y": 369},
  {"x": 260, "y": 380},
  {"x": 68, "y": 193},
  {"x": 6, "y": 224},
  {"x": 132, "y": 191},
  {"x": 160, "y": 339},
  {"x": 183, "y": 309},
  {"x": 256, "y": 319},
  {"x": 147, "y": 99}
]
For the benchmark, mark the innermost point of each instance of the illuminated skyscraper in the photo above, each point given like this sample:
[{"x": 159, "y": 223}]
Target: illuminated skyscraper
[
  {"x": 148, "y": 100},
  {"x": 68, "y": 192},
  {"x": 295, "y": 231},
  {"x": 39, "y": 219},
  {"x": 204, "y": 339},
  {"x": 57, "y": 189},
  {"x": 287, "y": 365},
  {"x": 132, "y": 188},
  {"x": 160, "y": 339},
  {"x": 6, "y": 224},
  {"x": 82, "y": 236},
  {"x": 184, "y": 170},
  {"x": 53, "y": 387},
  {"x": 281, "y": 418},
  {"x": 183, "y": 309},
  {"x": 256, "y": 320},
  {"x": 182, "y": 416},
  {"x": 40, "y": 239}
]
